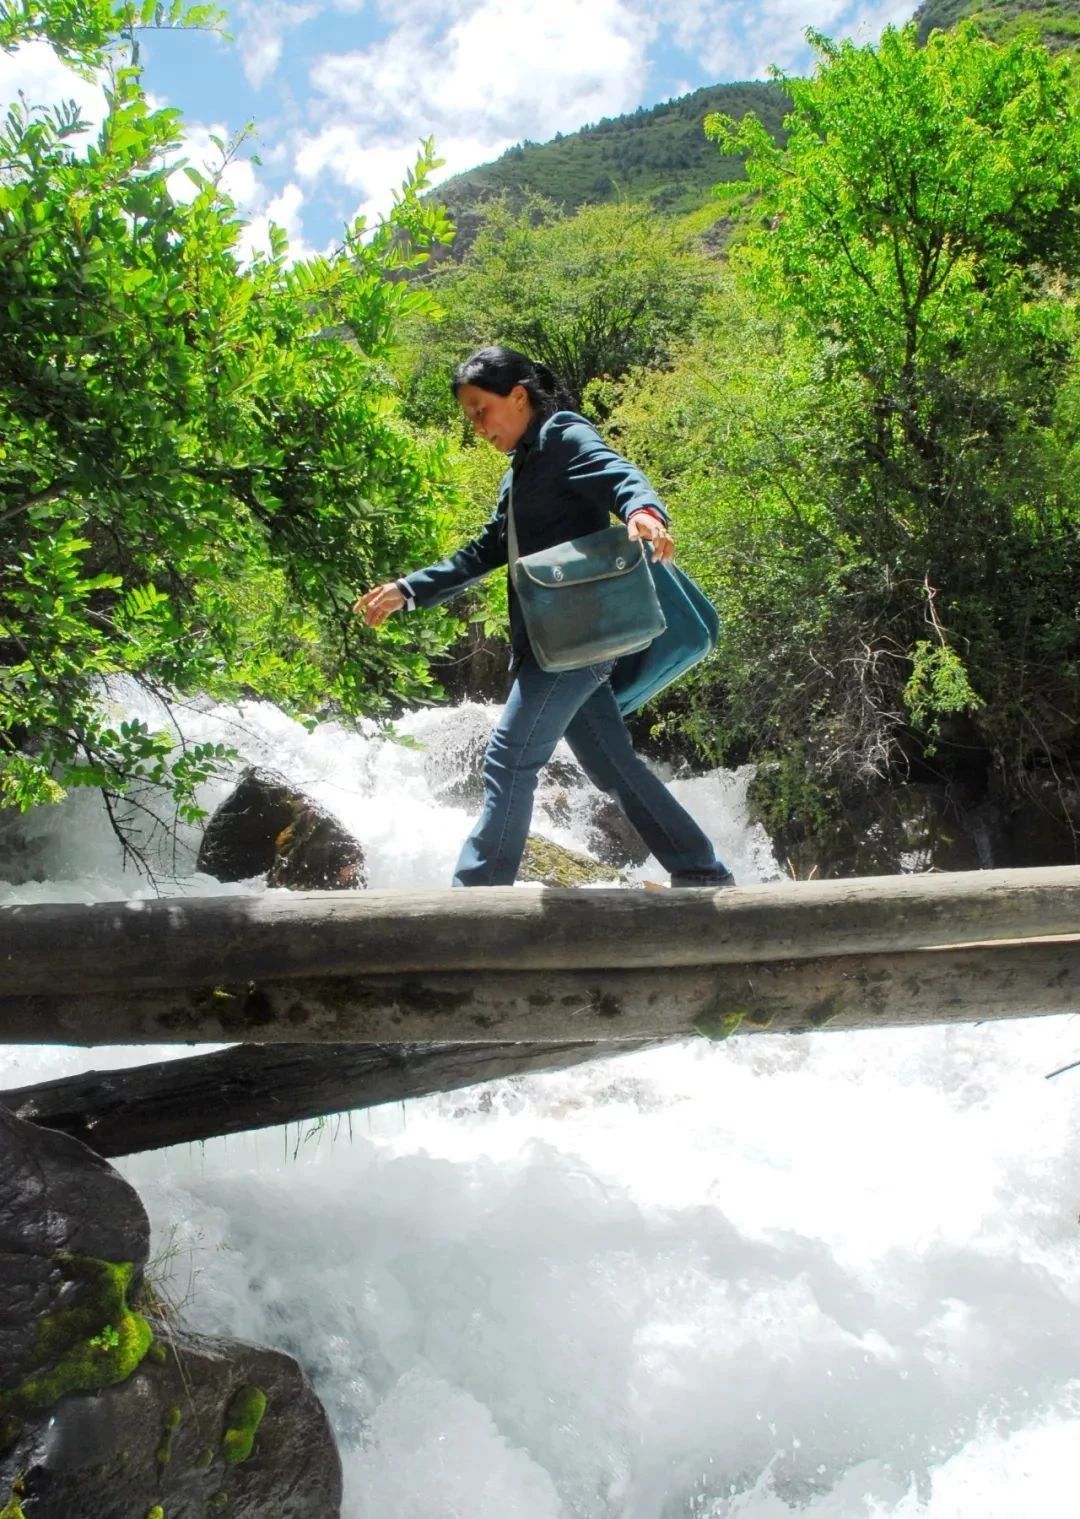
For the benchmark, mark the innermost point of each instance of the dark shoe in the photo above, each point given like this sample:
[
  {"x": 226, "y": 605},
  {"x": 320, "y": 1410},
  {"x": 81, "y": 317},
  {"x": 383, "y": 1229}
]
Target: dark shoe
[{"x": 708, "y": 879}]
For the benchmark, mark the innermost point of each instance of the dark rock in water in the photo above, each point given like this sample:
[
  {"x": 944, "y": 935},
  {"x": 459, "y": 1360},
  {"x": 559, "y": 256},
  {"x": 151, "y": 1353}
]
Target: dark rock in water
[
  {"x": 564, "y": 773},
  {"x": 453, "y": 767},
  {"x": 610, "y": 834},
  {"x": 923, "y": 825},
  {"x": 108, "y": 1412},
  {"x": 268, "y": 828}
]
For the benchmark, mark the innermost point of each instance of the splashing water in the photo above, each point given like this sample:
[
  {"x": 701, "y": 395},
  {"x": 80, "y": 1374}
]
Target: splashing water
[{"x": 832, "y": 1275}]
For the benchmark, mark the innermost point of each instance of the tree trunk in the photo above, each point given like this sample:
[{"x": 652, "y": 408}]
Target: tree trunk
[
  {"x": 258, "y": 1086},
  {"x": 603, "y": 1006}
]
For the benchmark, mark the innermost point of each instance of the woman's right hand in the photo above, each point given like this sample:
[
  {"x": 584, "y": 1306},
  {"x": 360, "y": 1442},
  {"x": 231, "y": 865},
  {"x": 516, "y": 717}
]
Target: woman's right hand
[{"x": 376, "y": 606}]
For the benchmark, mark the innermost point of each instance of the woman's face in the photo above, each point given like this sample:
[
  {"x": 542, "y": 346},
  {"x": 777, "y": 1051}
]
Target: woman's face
[{"x": 499, "y": 419}]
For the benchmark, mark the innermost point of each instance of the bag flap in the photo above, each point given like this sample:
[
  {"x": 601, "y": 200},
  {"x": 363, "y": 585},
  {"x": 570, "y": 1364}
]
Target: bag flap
[{"x": 596, "y": 556}]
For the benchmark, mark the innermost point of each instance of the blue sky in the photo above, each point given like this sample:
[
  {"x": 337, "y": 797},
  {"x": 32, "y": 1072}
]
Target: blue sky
[{"x": 340, "y": 91}]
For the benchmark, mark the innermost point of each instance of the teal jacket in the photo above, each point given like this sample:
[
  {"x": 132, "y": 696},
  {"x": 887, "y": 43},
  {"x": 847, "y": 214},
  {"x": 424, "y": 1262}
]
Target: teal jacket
[{"x": 567, "y": 482}]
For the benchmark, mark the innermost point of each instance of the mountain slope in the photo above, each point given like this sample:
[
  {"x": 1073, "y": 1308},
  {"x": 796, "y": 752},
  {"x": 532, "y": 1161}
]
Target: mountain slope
[
  {"x": 1058, "y": 21},
  {"x": 661, "y": 155}
]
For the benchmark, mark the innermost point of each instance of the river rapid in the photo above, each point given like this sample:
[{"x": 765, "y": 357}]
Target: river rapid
[{"x": 833, "y": 1275}]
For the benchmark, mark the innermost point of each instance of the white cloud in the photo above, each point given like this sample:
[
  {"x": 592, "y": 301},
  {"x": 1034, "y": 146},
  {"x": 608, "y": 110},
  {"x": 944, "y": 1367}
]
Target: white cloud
[
  {"x": 735, "y": 43},
  {"x": 36, "y": 71},
  {"x": 284, "y": 211},
  {"x": 505, "y": 69},
  {"x": 351, "y": 156},
  {"x": 261, "y": 34}
]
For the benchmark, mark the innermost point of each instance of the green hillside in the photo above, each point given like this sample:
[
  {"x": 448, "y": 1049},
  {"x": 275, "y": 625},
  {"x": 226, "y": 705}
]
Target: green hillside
[
  {"x": 662, "y": 155},
  {"x": 659, "y": 155},
  {"x": 1058, "y": 21}
]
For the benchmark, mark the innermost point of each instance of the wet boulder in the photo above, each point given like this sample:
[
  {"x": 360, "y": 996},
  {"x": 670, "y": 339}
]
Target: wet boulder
[
  {"x": 610, "y": 834},
  {"x": 453, "y": 764},
  {"x": 107, "y": 1410},
  {"x": 268, "y": 828},
  {"x": 553, "y": 864},
  {"x": 569, "y": 800}
]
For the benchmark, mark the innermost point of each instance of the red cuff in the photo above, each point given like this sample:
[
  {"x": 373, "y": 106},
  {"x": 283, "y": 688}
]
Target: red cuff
[{"x": 651, "y": 511}]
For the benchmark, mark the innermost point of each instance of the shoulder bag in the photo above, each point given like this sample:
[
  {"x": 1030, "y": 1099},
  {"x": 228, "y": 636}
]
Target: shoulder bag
[
  {"x": 587, "y": 600},
  {"x": 692, "y": 631}
]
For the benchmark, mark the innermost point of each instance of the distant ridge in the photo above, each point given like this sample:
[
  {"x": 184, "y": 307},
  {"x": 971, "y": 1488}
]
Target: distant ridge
[
  {"x": 662, "y": 155},
  {"x": 1058, "y": 21},
  {"x": 659, "y": 155}
]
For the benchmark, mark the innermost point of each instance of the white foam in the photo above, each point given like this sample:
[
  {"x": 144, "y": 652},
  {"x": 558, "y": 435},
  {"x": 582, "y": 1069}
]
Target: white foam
[{"x": 833, "y": 1276}]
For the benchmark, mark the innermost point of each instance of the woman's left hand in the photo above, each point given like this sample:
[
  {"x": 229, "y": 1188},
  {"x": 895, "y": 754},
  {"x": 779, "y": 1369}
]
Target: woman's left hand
[{"x": 650, "y": 529}]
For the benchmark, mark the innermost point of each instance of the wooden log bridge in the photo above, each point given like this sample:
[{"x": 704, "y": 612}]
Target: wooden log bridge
[
  {"x": 542, "y": 967},
  {"x": 336, "y": 1001}
]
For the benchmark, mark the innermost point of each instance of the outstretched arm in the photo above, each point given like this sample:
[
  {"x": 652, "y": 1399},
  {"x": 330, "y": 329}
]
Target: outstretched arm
[{"x": 438, "y": 582}]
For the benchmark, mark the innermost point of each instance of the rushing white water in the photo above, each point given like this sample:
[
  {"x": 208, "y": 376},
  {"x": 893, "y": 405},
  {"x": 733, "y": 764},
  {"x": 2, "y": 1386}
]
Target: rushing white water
[{"x": 833, "y": 1276}]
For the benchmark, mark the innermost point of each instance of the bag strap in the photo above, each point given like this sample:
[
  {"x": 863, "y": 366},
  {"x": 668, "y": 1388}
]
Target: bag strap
[{"x": 511, "y": 532}]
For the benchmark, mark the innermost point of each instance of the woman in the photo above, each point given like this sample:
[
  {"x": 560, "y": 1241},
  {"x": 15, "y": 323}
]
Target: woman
[{"x": 566, "y": 483}]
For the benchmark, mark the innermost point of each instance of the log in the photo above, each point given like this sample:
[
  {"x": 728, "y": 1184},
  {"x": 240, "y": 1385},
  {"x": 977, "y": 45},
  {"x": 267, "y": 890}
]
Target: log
[
  {"x": 609, "y": 1006},
  {"x": 62, "y": 947},
  {"x": 258, "y": 1086}
]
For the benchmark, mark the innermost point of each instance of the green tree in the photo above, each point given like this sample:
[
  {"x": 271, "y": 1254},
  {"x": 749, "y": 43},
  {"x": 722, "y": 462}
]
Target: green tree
[
  {"x": 920, "y": 240},
  {"x": 592, "y": 295},
  {"x": 201, "y": 460}
]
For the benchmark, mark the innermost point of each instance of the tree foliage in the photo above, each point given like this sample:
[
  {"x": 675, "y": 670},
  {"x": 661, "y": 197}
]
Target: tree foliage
[
  {"x": 200, "y": 458},
  {"x": 896, "y": 482},
  {"x": 82, "y": 31},
  {"x": 592, "y": 295}
]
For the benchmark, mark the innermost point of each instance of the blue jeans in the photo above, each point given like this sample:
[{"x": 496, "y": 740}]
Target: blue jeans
[{"x": 580, "y": 706}]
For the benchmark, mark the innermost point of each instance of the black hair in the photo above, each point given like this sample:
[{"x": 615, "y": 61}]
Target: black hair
[{"x": 499, "y": 369}]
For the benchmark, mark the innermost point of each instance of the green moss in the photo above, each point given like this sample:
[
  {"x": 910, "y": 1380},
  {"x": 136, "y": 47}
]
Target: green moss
[
  {"x": 170, "y": 1423},
  {"x": 219, "y": 1501},
  {"x": 553, "y": 865},
  {"x": 96, "y": 1342},
  {"x": 157, "y": 1353},
  {"x": 242, "y": 1420},
  {"x": 13, "y": 1509},
  {"x": 10, "y": 1430},
  {"x": 157, "y": 1512},
  {"x": 719, "y": 1026},
  {"x": 205, "y": 1459}
]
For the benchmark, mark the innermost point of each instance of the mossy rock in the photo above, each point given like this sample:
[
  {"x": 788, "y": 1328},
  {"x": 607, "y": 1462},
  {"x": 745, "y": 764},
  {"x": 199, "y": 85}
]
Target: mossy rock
[
  {"x": 90, "y": 1339},
  {"x": 128, "y": 1437},
  {"x": 554, "y": 865}
]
